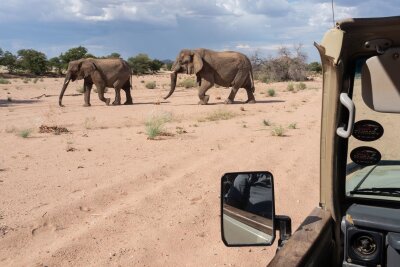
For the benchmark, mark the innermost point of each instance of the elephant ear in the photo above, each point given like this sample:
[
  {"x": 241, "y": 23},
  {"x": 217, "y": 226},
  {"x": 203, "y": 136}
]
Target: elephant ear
[
  {"x": 87, "y": 68},
  {"x": 197, "y": 62}
]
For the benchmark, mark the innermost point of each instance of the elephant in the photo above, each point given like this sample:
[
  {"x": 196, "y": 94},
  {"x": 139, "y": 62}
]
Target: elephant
[
  {"x": 109, "y": 72},
  {"x": 226, "y": 69}
]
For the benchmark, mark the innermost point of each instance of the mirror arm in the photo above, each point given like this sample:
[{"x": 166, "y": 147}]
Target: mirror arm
[{"x": 284, "y": 223}]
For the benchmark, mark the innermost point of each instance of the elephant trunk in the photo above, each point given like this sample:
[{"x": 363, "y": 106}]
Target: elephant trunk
[
  {"x": 174, "y": 75},
  {"x": 66, "y": 82}
]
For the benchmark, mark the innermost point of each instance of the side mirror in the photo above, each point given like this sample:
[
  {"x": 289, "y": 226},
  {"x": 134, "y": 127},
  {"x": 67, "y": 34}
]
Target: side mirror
[{"x": 247, "y": 209}]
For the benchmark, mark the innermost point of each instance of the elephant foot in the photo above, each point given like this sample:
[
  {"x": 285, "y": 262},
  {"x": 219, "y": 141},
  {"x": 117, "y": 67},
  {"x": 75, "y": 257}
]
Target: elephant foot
[
  {"x": 107, "y": 101},
  {"x": 251, "y": 101},
  {"x": 86, "y": 105},
  {"x": 128, "y": 103},
  {"x": 115, "y": 103},
  {"x": 204, "y": 101},
  {"x": 228, "y": 101}
]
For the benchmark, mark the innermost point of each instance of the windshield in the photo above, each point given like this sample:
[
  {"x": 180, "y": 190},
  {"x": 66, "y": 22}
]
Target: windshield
[{"x": 373, "y": 157}]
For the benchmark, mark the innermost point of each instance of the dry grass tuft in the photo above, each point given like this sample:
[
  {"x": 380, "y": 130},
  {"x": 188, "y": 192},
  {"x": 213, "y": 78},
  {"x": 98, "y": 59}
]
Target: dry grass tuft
[
  {"x": 155, "y": 125},
  {"x": 220, "y": 114}
]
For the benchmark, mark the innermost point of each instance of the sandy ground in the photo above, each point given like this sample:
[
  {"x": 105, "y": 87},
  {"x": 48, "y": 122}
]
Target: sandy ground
[{"x": 105, "y": 195}]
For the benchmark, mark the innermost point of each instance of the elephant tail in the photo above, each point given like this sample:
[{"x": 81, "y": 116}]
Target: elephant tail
[
  {"x": 131, "y": 80},
  {"x": 252, "y": 81}
]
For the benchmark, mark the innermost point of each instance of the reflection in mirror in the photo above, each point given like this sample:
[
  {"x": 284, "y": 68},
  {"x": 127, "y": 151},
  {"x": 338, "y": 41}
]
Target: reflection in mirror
[{"x": 247, "y": 209}]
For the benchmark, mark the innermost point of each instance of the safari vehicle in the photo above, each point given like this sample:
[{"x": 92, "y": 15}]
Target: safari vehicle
[{"x": 357, "y": 222}]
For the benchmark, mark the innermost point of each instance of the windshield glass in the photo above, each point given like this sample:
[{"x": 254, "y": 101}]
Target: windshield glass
[{"x": 373, "y": 157}]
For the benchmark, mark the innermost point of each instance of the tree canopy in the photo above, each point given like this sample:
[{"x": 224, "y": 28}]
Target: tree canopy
[
  {"x": 36, "y": 62},
  {"x": 32, "y": 61}
]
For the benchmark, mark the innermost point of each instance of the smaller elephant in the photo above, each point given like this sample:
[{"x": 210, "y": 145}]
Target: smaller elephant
[
  {"x": 110, "y": 72},
  {"x": 228, "y": 69}
]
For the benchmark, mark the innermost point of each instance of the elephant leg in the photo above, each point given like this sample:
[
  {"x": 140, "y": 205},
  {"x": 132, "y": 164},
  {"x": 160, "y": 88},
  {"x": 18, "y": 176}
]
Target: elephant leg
[
  {"x": 238, "y": 82},
  {"x": 127, "y": 89},
  {"x": 100, "y": 92},
  {"x": 117, "y": 100},
  {"x": 205, "y": 85},
  {"x": 250, "y": 96},
  {"x": 231, "y": 97},
  {"x": 87, "y": 88}
]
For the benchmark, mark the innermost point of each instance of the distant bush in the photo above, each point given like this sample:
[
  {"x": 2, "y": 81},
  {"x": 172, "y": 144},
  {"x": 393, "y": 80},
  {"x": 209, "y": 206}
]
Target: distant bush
[
  {"x": 293, "y": 125},
  {"x": 142, "y": 64},
  {"x": 8, "y": 60},
  {"x": 187, "y": 83},
  {"x": 290, "y": 87},
  {"x": 301, "y": 86},
  {"x": 96, "y": 91},
  {"x": 151, "y": 85},
  {"x": 55, "y": 63},
  {"x": 285, "y": 66},
  {"x": 4, "y": 81},
  {"x": 32, "y": 61},
  {"x": 25, "y": 133},
  {"x": 271, "y": 92},
  {"x": 81, "y": 90},
  {"x": 315, "y": 67},
  {"x": 74, "y": 53}
]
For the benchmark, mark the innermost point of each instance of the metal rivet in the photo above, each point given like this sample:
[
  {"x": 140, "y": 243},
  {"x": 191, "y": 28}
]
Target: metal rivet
[{"x": 396, "y": 56}]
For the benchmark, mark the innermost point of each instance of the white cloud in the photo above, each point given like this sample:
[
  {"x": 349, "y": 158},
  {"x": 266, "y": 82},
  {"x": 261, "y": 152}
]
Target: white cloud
[
  {"x": 324, "y": 15},
  {"x": 242, "y": 46},
  {"x": 247, "y": 25}
]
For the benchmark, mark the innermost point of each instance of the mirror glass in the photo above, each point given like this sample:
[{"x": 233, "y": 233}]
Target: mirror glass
[{"x": 247, "y": 209}]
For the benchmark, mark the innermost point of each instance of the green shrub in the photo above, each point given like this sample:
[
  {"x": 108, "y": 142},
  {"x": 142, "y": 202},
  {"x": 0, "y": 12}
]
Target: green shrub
[
  {"x": 80, "y": 90},
  {"x": 266, "y": 122},
  {"x": 155, "y": 125},
  {"x": 35, "y": 80},
  {"x": 315, "y": 66},
  {"x": 278, "y": 131},
  {"x": 271, "y": 92},
  {"x": 96, "y": 91},
  {"x": 25, "y": 133},
  {"x": 187, "y": 83},
  {"x": 151, "y": 85},
  {"x": 301, "y": 86},
  {"x": 4, "y": 81},
  {"x": 290, "y": 87},
  {"x": 293, "y": 125}
]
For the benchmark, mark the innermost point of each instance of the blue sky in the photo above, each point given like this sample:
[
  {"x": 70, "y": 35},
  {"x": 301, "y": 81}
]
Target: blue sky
[{"x": 160, "y": 28}]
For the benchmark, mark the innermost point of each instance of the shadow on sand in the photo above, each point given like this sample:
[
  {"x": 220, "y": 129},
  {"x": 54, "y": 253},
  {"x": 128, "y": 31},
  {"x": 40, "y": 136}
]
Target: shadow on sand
[
  {"x": 7, "y": 103},
  {"x": 234, "y": 103}
]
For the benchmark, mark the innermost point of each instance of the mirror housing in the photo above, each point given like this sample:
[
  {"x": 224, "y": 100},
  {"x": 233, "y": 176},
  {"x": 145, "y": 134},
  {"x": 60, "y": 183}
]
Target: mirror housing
[
  {"x": 381, "y": 83},
  {"x": 247, "y": 209}
]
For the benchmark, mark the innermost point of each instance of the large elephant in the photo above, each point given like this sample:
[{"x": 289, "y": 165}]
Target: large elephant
[
  {"x": 222, "y": 68},
  {"x": 110, "y": 72}
]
